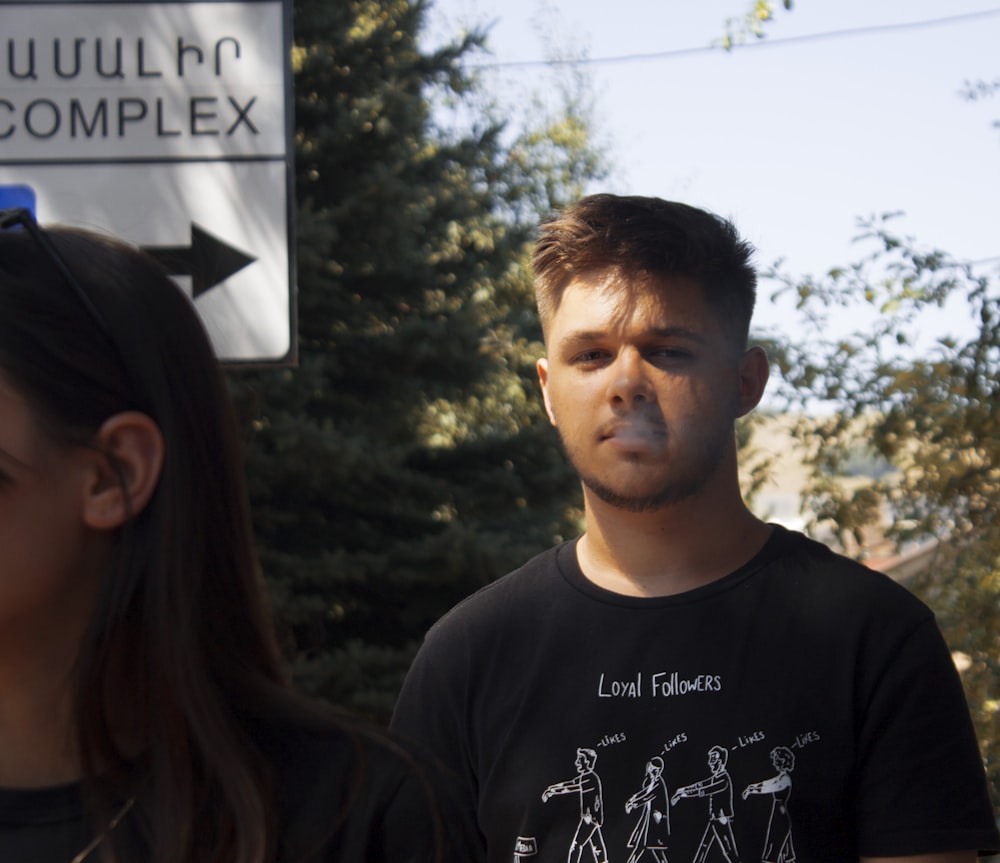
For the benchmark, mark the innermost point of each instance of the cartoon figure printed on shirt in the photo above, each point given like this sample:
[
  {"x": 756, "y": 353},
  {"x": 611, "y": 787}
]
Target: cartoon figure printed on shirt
[
  {"x": 719, "y": 789},
  {"x": 778, "y": 846},
  {"x": 588, "y": 785},
  {"x": 652, "y": 830}
]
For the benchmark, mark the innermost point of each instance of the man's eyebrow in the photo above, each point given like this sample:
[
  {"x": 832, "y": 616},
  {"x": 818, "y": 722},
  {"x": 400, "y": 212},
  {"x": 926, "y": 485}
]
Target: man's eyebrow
[
  {"x": 580, "y": 336},
  {"x": 675, "y": 332}
]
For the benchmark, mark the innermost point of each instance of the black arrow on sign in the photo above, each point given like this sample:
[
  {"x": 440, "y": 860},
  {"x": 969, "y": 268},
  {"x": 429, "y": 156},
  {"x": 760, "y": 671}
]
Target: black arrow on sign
[{"x": 208, "y": 260}]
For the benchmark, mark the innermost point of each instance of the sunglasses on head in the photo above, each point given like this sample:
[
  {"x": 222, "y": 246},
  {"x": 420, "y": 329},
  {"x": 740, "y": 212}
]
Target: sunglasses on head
[{"x": 20, "y": 217}]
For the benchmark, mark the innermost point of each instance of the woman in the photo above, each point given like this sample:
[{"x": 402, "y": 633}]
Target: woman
[
  {"x": 778, "y": 845},
  {"x": 652, "y": 830},
  {"x": 144, "y": 712}
]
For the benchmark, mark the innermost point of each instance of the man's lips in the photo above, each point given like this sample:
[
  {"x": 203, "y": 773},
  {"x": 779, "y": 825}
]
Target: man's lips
[{"x": 633, "y": 433}]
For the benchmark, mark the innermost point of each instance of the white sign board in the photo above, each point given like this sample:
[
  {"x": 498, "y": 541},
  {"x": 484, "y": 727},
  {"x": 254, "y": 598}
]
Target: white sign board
[{"x": 169, "y": 125}]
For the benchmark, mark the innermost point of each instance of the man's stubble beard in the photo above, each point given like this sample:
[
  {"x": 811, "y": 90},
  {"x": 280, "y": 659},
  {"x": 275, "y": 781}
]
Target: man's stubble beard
[{"x": 678, "y": 486}]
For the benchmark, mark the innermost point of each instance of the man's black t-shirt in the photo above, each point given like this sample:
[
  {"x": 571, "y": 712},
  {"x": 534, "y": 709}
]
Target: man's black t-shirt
[{"x": 802, "y": 708}]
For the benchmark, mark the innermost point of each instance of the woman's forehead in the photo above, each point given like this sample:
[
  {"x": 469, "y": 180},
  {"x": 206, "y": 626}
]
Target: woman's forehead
[{"x": 19, "y": 433}]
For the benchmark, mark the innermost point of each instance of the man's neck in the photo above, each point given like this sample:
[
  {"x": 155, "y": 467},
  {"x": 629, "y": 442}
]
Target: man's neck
[{"x": 668, "y": 551}]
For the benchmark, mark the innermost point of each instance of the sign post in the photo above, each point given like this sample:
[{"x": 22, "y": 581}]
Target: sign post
[{"x": 168, "y": 124}]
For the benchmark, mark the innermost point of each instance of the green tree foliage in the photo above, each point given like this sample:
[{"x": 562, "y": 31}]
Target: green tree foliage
[
  {"x": 932, "y": 411},
  {"x": 405, "y": 461}
]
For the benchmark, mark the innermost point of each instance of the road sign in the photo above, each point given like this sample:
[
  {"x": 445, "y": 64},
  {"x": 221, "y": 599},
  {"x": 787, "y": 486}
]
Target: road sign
[{"x": 169, "y": 125}]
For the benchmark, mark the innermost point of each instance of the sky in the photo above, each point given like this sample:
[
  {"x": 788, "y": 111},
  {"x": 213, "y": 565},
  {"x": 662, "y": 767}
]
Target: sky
[{"x": 847, "y": 109}]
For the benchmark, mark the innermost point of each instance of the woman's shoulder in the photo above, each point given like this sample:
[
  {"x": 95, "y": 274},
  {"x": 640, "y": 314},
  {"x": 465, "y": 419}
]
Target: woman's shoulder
[{"x": 352, "y": 792}]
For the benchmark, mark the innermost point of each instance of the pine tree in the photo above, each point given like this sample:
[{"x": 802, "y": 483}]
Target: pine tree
[{"x": 405, "y": 461}]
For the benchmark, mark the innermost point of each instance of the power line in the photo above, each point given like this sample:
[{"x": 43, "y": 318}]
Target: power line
[{"x": 761, "y": 43}]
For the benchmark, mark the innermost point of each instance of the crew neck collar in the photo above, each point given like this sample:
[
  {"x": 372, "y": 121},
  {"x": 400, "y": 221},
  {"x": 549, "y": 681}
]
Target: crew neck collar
[{"x": 569, "y": 567}]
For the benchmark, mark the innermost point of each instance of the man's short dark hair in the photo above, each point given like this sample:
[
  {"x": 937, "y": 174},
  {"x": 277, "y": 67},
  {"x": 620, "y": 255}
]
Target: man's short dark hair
[{"x": 637, "y": 237}]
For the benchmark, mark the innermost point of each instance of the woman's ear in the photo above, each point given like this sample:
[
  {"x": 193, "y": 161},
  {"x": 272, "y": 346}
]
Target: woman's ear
[{"x": 127, "y": 473}]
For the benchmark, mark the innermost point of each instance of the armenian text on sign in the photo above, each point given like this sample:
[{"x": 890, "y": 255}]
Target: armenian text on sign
[{"x": 189, "y": 78}]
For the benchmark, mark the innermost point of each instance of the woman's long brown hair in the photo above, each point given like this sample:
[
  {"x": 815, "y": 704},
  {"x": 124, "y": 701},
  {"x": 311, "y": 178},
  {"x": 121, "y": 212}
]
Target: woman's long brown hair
[{"x": 181, "y": 644}]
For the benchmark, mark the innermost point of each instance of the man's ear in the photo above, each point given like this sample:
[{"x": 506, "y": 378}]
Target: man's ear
[
  {"x": 754, "y": 372},
  {"x": 542, "y": 367},
  {"x": 125, "y": 476}
]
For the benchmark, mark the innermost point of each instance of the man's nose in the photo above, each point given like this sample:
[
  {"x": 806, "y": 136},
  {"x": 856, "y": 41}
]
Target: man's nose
[{"x": 629, "y": 384}]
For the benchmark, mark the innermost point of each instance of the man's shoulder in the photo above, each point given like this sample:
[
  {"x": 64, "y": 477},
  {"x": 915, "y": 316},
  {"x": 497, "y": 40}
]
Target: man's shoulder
[
  {"x": 812, "y": 570},
  {"x": 351, "y": 791},
  {"x": 530, "y": 581},
  {"x": 515, "y": 593}
]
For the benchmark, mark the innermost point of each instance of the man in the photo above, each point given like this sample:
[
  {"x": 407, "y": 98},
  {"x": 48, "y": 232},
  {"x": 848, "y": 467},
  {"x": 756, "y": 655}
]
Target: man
[
  {"x": 719, "y": 789},
  {"x": 678, "y": 621},
  {"x": 587, "y": 786}
]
